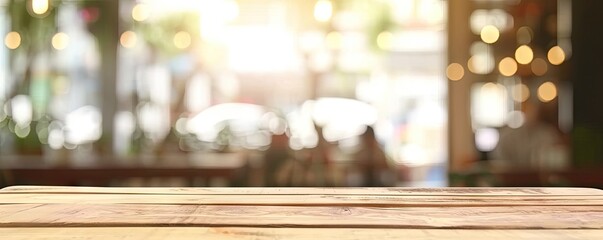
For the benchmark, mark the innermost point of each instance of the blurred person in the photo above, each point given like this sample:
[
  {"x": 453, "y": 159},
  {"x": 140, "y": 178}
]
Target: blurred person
[{"x": 371, "y": 161}]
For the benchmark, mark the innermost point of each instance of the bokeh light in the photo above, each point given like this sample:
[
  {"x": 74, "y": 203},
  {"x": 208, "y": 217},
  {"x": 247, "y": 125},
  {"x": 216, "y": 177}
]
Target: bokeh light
[
  {"x": 524, "y": 54},
  {"x": 547, "y": 92},
  {"x": 455, "y": 71},
  {"x": 486, "y": 139},
  {"x": 524, "y": 35},
  {"x": 140, "y": 12},
  {"x": 520, "y": 92},
  {"x": 39, "y": 6},
  {"x": 507, "y": 66},
  {"x": 481, "y": 64},
  {"x": 489, "y": 104},
  {"x": 323, "y": 10},
  {"x": 12, "y": 40},
  {"x": 556, "y": 55},
  {"x": 22, "y": 110},
  {"x": 182, "y": 40},
  {"x": 128, "y": 39},
  {"x": 385, "y": 40},
  {"x": 539, "y": 66},
  {"x": 60, "y": 41},
  {"x": 482, "y": 58},
  {"x": 489, "y": 34},
  {"x": 516, "y": 119}
]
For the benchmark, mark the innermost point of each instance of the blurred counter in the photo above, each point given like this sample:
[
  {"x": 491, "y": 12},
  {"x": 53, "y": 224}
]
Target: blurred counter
[{"x": 107, "y": 171}]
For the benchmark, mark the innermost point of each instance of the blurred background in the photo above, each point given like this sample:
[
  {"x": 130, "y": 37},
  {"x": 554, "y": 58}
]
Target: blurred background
[{"x": 420, "y": 93}]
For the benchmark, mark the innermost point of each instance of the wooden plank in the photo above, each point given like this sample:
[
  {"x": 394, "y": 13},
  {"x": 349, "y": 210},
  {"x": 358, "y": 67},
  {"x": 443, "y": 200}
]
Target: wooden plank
[
  {"x": 107, "y": 215},
  {"x": 184, "y": 233},
  {"x": 305, "y": 200},
  {"x": 460, "y": 191}
]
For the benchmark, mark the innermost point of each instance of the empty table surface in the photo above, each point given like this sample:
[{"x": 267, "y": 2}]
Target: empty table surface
[{"x": 36, "y": 212}]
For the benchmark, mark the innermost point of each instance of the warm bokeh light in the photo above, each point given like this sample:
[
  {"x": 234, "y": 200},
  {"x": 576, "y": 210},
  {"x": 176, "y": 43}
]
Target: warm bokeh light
[
  {"x": 60, "y": 41},
  {"x": 547, "y": 92},
  {"x": 524, "y": 35},
  {"x": 556, "y": 55},
  {"x": 520, "y": 92},
  {"x": 489, "y": 34},
  {"x": 128, "y": 39},
  {"x": 471, "y": 64},
  {"x": 498, "y": 18},
  {"x": 39, "y": 6},
  {"x": 182, "y": 40},
  {"x": 516, "y": 119},
  {"x": 455, "y": 71},
  {"x": 140, "y": 12},
  {"x": 489, "y": 104},
  {"x": 334, "y": 40},
  {"x": 524, "y": 54},
  {"x": 385, "y": 40},
  {"x": 12, "y": 40},
  {"x": 482, "y": 59},
  {"x": 507, "y": 66},
  {"x": 480, "y": 64},
  {"x": 323, "y": 10},
  {"x": 539, "y": 66}
]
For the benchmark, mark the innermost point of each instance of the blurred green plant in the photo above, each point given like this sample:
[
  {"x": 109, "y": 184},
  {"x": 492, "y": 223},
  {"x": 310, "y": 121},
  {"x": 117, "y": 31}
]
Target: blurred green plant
[
  {"x": 160, "y": 33},
  {"x": 36, "y": 34}
]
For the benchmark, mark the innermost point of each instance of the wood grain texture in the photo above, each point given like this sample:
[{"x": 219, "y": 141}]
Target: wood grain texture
[
  {"x": 460, "y": 191},
  {"x": 305, "y": 200},
  {"x": 234, "y": 233},
  {"x": 36, "y": 212},
  {"x": 509, "y": 217}
]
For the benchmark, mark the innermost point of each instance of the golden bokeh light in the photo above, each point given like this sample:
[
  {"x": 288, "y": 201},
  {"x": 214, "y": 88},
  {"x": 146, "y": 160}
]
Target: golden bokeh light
[
  {"x": 128, "y": 39},
  {"x": 507, "y": 66},
  {"x": 524, "y": 54},
  {"x": 334, "y": 40},
  {"x": 60, "y": 41},
  {"x": 493, "y": 88},
  {"x": 182, "y": 40},
  {"x": 323, "y": 10},
  {"x": 471, "y": 64},
  {"x": 140, "y": 12},
  {"x": 539, "y": 66},
  {"x": 385, "y": 40},
  {"x": 556, "y": 55},
  {"x": 455, "y": 71},
  {"x": 489, "y": 34},
  {"x": 520, "y": 92},
  {"x": 12, "y": 40},
  {"x": 547, "y": 92},
  {"x": 481, "y": 64},
  {"x": 39, "y": 6}
]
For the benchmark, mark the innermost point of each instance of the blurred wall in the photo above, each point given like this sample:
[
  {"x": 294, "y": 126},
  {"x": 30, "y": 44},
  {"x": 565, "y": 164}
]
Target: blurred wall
[{"x": 587, "y": 78}]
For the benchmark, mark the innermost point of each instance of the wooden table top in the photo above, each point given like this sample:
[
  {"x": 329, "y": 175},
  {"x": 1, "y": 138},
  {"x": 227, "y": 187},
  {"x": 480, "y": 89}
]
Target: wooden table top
[{"x": 36, "y": 212}]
